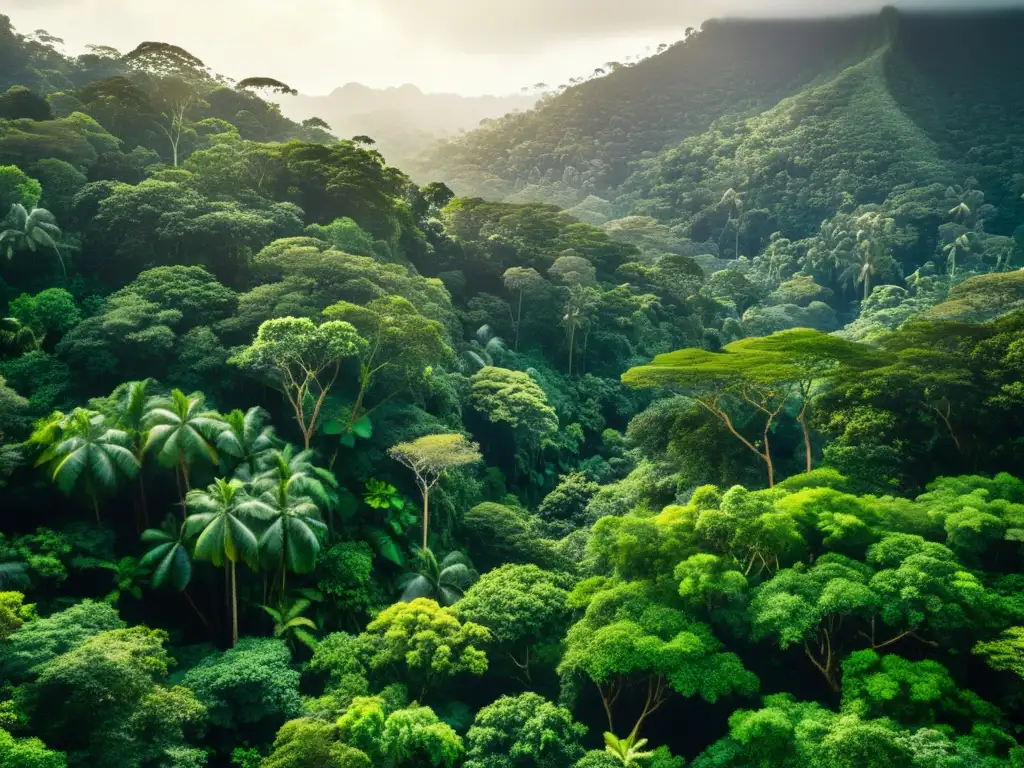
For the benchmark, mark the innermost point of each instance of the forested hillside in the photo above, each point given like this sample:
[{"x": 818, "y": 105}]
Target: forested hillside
[{"x": 306, "y": 465}]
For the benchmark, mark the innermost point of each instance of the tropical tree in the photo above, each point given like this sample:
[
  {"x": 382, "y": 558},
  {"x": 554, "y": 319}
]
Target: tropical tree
[
  {"x": 292, "y": 538},
  {"x": 170, "y": 559},
  {"x": 874, "y": 233},
  {"x": 220, "y": 516},
  {"x": 290, "y": 624},
  {"x": 302, "y": 360},
  {"x": 832, "y": 249},
  {"x": 444, "y": 581},
  {"x": 734, "y": 203},
  {"x": 182, "y": 431},
  {"x": 520, "y": 280},
  {"x": 90, "y": 456},
  {"x": 627, "y": 752},
  {"x": 266, "y": 84},
  {"x": 295, "y": 469},
  {"x": 246, "y": 440},
  {"x": 31, "y": 230},
  {"x": 962, "y": 246},
  {"x": 580, "y": 306},
  {"x": 429, "y": 458},
  {"x": 129, "y": 412},
  {"x": 401, "y": 347}
]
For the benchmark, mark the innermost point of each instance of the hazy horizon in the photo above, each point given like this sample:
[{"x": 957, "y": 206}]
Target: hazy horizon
[{"x": 467, "y": 47}]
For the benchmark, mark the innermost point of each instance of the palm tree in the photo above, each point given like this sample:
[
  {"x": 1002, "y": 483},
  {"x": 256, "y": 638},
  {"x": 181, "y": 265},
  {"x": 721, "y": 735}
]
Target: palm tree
[
  {"x": 291, "y": 541},
  {"x": 872, "y": 250},
  {"x": 88, "y": 454},
  {"x": 220, "y": 517},
  {"x": 129, "y": 412},
  {"x": 833, "y": 248},
  {"x": 30, "y": 231},
  {"x": 961, "y": 246},
  {"x": 626, "y": 752},
  {"x": 296, "y": 470},
  {"x": 290, "y": 624},
  {"x": 732, "y": 199},
  {"x": 247, "y": 439},
  {"x": 181, "y": 432},
  {"x": 169, "y": 556},
  {"x": 170, "y": 559},
  {"x": 485, "y": 348},
  {"x": 444, "y": 582}
]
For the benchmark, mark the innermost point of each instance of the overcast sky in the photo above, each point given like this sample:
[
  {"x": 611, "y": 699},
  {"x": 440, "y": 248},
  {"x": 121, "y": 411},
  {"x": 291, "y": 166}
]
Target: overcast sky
[{"x": 464, "y": 46}]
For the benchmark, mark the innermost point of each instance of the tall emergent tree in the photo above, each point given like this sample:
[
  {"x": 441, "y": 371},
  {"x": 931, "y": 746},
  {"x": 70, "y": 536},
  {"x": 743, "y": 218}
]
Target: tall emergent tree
[
  {"x": 303, "y": 361},
  {"x": 221, "y": 515},
  {"x": 520, "y": 280},
  {"x": 429, "y": 458}
]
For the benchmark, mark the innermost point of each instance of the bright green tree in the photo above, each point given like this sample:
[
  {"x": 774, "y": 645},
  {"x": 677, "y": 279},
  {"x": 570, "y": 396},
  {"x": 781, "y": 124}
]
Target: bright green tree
[
  {"x": 429, "y": 458},
  {"x": 628, "y": 638},
  {"x": 424, "y": 640},
  {"x": 525, "y": 609},
  {"x": 302, "y": 360},
  {"x": 526, "y": 730}
]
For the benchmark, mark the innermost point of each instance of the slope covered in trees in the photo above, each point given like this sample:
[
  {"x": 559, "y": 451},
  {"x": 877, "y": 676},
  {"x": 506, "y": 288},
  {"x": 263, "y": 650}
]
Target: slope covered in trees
[
  {"x": 592, "y": 133},
  {"x": 303, "y": 464}
]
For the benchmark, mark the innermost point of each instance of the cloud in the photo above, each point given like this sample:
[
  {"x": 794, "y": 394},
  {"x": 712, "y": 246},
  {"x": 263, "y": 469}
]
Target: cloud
[{"x": 499, "y": 26}]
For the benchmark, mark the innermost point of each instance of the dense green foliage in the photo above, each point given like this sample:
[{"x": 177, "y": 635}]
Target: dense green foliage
[{"x": 305, "y": 465}]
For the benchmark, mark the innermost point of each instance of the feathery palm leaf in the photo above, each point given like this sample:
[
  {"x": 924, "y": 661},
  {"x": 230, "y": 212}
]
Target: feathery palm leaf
[
  {"x": 31, "y": 230},
  {"x": 221, "y": 515},
  {"x": 181, "y": 430},
  {"x": 169, "y": 556},
  {"x": 91, "y": 453},
  {"x": 296, "y": 470},
  {"x": 291, "y": 625},
  {"x": 626, "y": 752},
  {"x": 444, "y": 581},
  {"x": 246, "y": 439},
  {"x": 291, "y": 541}
]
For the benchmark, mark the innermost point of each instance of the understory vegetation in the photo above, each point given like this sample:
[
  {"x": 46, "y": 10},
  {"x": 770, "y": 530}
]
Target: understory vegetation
[{"x": 306, "y": 464}]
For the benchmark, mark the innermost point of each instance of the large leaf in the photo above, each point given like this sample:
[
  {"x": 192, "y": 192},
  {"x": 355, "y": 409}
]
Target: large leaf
[
  {"x": 363, "y": 428},
  {"x": 334, "y": 427},
  {"x": 385, "y": 545}
]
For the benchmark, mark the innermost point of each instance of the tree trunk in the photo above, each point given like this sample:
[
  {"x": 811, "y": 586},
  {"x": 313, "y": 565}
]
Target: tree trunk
[
  {"x": 802, "y": 420},
  {"x": 768, "y": 456},
  {"x": 96, "y": 509},
  {"x": 142, "y": 495},
  {"x": 195, "y": 608},
  {"x": 737, "y": 251},
  {"x": 426, "y": 515},
  {"x": 519, "y": 319},
  {"x": 572, "y": 339},
  {"x": 234, "y": 607}
]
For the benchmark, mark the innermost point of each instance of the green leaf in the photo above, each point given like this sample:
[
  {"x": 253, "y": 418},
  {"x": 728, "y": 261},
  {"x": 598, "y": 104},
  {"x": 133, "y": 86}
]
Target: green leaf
[
  {"x": 334, "y": 427},
  {"x": 363, "y": 428},
  {"x": 385, "y": 546},
  {"x": 348, "y": 440}
]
